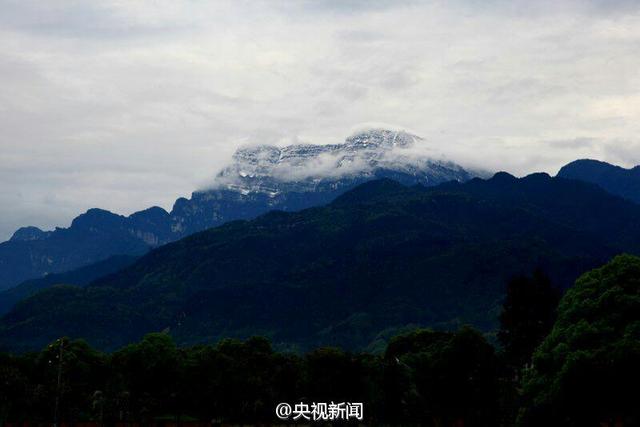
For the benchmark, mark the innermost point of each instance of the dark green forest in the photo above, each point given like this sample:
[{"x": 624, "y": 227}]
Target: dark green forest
[
  {"x": 378, "y": 259},
  {"x": 572, "y": 363}
]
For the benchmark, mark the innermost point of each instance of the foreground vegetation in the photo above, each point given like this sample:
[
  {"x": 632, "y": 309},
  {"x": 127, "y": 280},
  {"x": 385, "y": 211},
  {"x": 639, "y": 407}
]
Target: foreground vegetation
[
  {"x": 422, "y": 376},
  {"x": 579, "y": 369}
]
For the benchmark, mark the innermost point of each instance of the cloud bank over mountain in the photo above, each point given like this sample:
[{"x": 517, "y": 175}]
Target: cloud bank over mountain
[
  {"x": 364, "y": 152},
  {"x": 124, "y": 105}
]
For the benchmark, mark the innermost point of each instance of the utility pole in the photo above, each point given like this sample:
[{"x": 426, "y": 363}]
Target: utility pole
[{"x": 57, "y": 405}]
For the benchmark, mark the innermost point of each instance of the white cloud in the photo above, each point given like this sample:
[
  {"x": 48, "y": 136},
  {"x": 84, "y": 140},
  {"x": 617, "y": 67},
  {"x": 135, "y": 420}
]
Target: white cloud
[{"x": 123, "y": 105}]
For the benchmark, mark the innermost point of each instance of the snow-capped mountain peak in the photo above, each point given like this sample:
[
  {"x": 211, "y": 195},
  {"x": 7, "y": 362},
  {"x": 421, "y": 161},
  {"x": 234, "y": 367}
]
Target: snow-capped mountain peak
[
  {"x": 265, "y": 177},
  {"x": 361, "y": 153}
]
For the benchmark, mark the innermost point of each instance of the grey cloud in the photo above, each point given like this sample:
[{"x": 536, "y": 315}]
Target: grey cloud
[
  {"x": 624, "y": 152},
  {"x": 123, "y": 105},
  {"x": 574, "y": 143},
  {"x": 350, "y": 6}
]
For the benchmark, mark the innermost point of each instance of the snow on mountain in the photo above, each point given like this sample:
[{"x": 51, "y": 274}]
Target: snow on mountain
[
  {"x": 304, "y": 167},
  {"x": 267, "y": 177}
]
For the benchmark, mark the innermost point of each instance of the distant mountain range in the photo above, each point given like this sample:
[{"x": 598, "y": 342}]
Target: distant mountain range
[
  {"x": 623, "y": 182},
  {"x": 259, "y": 179},
  {"x": 378, "y": 258}
]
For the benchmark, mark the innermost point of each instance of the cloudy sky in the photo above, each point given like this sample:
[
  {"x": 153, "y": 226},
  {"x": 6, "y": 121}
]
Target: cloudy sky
[{"x": 127, "y": 104}]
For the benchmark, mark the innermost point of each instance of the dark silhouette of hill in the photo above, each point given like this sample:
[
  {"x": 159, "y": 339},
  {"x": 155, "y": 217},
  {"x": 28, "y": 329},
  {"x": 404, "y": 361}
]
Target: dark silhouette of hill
[
  {"x": 620, "y": 181},
  {"x": 380, "y": 257}
]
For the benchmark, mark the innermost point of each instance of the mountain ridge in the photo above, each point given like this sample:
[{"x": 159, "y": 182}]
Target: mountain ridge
[
  {"x": 624, "y": 182},
  {"x": 343, "y": 273},
  {"x": 258, "y": 180}
]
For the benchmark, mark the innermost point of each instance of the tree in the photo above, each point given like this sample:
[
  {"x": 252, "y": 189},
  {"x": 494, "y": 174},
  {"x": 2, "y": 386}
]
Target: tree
[
  {"x": 149, "y": 371},
  {"x": 452, "y": 378},
  {"x": 587, "y": 370},
  {"x": 68, "y": 372},
  {"x": 528, "y": 313},
  {"x": 13, "y": 389},
  {"x": 332, "y": 374}
]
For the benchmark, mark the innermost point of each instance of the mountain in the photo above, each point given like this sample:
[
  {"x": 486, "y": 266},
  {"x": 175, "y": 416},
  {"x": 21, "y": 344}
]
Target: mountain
[
  {"x": 93, "y": 236},
  {"x": 620, "y": 181},
  {"x": 379, "y": 258},
  {"x": 80, "y": 277},
  {"x": 295, "y": 177},
  {"x": 258, "y": 179}
]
